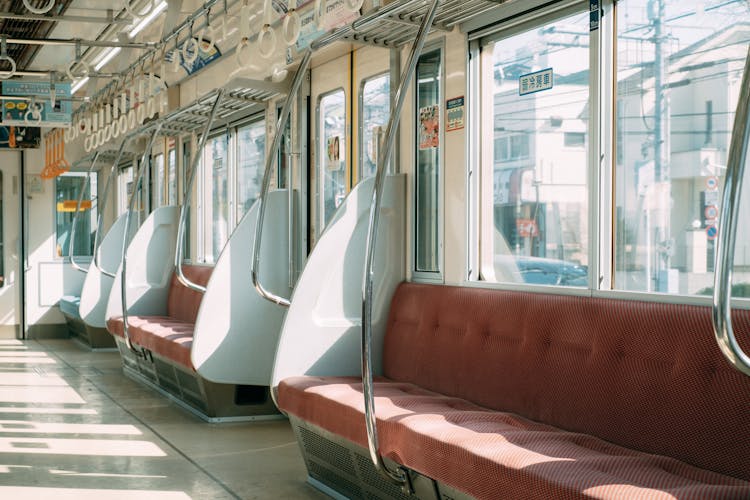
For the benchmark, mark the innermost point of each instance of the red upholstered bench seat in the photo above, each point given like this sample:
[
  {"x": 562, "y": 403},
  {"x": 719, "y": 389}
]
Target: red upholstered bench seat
[
  {"x": 170, "y": 336},
  {"x": 161, "y": 334},
  {"x": 492, "y": 454},
  {"x": 504, "y": 394}
]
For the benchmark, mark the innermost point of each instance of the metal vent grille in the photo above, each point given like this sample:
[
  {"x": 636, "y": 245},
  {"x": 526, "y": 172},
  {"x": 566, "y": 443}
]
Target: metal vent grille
[
  {"x": 372, "y": 478},
  {"x": 327, "y": 451},
  {"x": 334, "y": 480}
]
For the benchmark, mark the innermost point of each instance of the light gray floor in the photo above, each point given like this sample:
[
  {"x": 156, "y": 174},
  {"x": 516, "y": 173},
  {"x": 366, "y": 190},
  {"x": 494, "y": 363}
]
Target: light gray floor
[{"x": 72, "y": 426}]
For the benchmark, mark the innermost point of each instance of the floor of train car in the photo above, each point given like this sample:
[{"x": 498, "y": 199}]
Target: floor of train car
[{"x": 72, "y": 426}]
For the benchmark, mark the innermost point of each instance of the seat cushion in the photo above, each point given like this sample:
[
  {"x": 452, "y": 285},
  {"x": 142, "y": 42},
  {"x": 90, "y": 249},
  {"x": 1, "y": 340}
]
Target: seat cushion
[
  {"x": 490, "y": 454},
  {"x": 183, "y": 302},
  {"x": 647, "y": 376},
  {"x": 164, "y": 336},
  {"x": 69, "y": 306}
]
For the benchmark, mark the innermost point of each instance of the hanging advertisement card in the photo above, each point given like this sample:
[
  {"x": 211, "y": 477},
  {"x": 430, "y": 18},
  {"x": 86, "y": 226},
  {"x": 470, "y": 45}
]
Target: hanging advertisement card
[{"x": 36, "y": 96}]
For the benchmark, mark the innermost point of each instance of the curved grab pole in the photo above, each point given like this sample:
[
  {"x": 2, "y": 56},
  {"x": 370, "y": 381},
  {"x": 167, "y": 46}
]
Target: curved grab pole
[
  {"x": 125, "y": 242},
  {"x": 102, "y": 206},
  {"x": 78, "y": 211},
  {"x": 270, "y": 161},
  {"x": 186, "y": 201},
  {"x": 725, "y": 244},
  {"x": 399, "y": 476}
]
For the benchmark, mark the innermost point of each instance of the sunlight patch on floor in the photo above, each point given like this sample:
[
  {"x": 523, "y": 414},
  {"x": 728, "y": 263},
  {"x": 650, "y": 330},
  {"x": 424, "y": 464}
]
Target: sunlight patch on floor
[
  {"x": 35, "y": 493},
  {"x": 26, "y": 379},
  {"x": 58, "y": 395},
  {"x": 92, "y": 447},
  {"x": 24, "y": 426}
]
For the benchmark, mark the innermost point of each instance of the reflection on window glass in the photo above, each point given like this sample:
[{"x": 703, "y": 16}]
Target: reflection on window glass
[
  {"x": 332, "y": 155},
  {"x": 172, "y": 181},
  {"x": 376, "y": 105},
  {"x": 679, "y": 66},
  {"x": 536, "y": 83},
  {"x": 250, "y": 164},
  {"x": 216, "y": 208},
  {"x": 67, "y": 192},
  {"x": 427, "y": 178}
]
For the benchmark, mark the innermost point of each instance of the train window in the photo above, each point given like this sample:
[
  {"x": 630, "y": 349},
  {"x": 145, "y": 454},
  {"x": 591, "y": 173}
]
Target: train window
[
  {"x": 679, "y": 66},
  {"x": 186, "y": 158},
  {"x": 332, "y": 154},
  {"x": 67, "y": 192},
  {"x": 428, "y": 170},
  {"x": 214, "y": 193},
  {"x": 534, "y": 111},
  {"x": 375, "y": 104},
  {"x": 251, "y": 155},
  {"x": 172, "y": 174},
  {"x": 158, "y": 187}
]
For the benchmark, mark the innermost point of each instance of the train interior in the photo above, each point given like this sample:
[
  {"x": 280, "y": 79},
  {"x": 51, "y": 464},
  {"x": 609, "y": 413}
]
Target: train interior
[{"x": 374, "y": 249}]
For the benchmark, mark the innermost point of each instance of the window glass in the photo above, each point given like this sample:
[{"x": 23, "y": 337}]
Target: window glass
[
  {"x": 535, "y": 91},
  {"x": 172, "y": 172},
  {"x": 250, "y": 163},
  {"x": 427, "y": 178},
  {"x": 216, "y": 207},
  {"x": 376, "y": 105},
  {"x": 186, "y": 159},
  {"x": 158, "y": 188},
  {"x": 679, "y": 67},
  {"x": 332, "y": 155},
  {"x": 67, "y": 192}
]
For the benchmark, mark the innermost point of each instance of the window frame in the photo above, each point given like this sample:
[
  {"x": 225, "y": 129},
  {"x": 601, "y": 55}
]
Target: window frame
[
  {"x": 437, "y": 44},
  {"x": 361, "y": 119},
  {"x": 602, "y": 163},
  {"x": 321, "y": 223}
]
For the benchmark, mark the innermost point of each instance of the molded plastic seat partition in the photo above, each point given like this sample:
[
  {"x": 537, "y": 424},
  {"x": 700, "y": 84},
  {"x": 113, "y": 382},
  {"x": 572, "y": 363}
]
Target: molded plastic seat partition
[
  {"x": 150, "y": 266},
  {"x": 237, "y": 330},
  {"x": 481, "y": 383},
  {"x": 97, "y": 286},
  {"x": 321, "y": 330}
]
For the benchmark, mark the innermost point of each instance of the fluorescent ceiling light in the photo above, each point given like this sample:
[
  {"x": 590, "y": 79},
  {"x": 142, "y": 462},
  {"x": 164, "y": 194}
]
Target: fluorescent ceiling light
[
  {"x": 80, "y": 83},
  {"x": 107, "y": 56},
  {"x": 147, "y": 20}
]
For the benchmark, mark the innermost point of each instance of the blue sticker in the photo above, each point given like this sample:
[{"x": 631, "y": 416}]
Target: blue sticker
[{"x": 593, "y": 15}]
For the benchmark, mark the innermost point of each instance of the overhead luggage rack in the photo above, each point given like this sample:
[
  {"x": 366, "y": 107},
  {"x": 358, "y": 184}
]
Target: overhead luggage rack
[
  {"x": 237, "y": 101},
  {"x": 397, "y": 23}
]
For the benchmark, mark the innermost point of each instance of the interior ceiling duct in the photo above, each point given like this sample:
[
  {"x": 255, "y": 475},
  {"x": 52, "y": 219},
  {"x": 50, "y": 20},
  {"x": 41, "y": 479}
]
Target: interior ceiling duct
[{"x": 24, "y": 54}]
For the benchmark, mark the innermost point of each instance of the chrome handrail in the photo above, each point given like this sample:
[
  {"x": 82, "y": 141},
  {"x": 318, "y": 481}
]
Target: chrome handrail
[
  {"x": 188, "y": 195},
  {"x": 728, "y": 223},
  {"x": 102, "y": 205},
  {"x": 399, "y": 476},
  {"x": 75, "y": 215},
  {"x": 270, "y": 161},
  {"x": 125, "y": 242}
]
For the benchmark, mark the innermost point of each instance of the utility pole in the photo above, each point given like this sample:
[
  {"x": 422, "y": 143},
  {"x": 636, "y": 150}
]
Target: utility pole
[{"x": 656, "y": 12}]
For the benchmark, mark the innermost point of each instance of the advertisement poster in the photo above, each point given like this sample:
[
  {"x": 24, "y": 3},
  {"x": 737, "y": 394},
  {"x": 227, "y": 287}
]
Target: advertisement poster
[
  {"x": 15, "y": 110},
  {"x": 334, "y": 153},
  {"x": 429, "y": 127},
  {"x": 14, "y": 137},
  {"x": 205, "y": 56},
  {"x": 335, "y": 16},
  {"x": 454, "y": 110}
]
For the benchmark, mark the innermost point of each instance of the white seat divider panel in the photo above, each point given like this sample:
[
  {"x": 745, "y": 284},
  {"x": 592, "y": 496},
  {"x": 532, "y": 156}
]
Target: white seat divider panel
[
  {"x": 97, "y": 286},
  {"x": 150, "y": 266},
  {"x": 237, "y": 330},
  {"x": 321, "y": 332}
]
